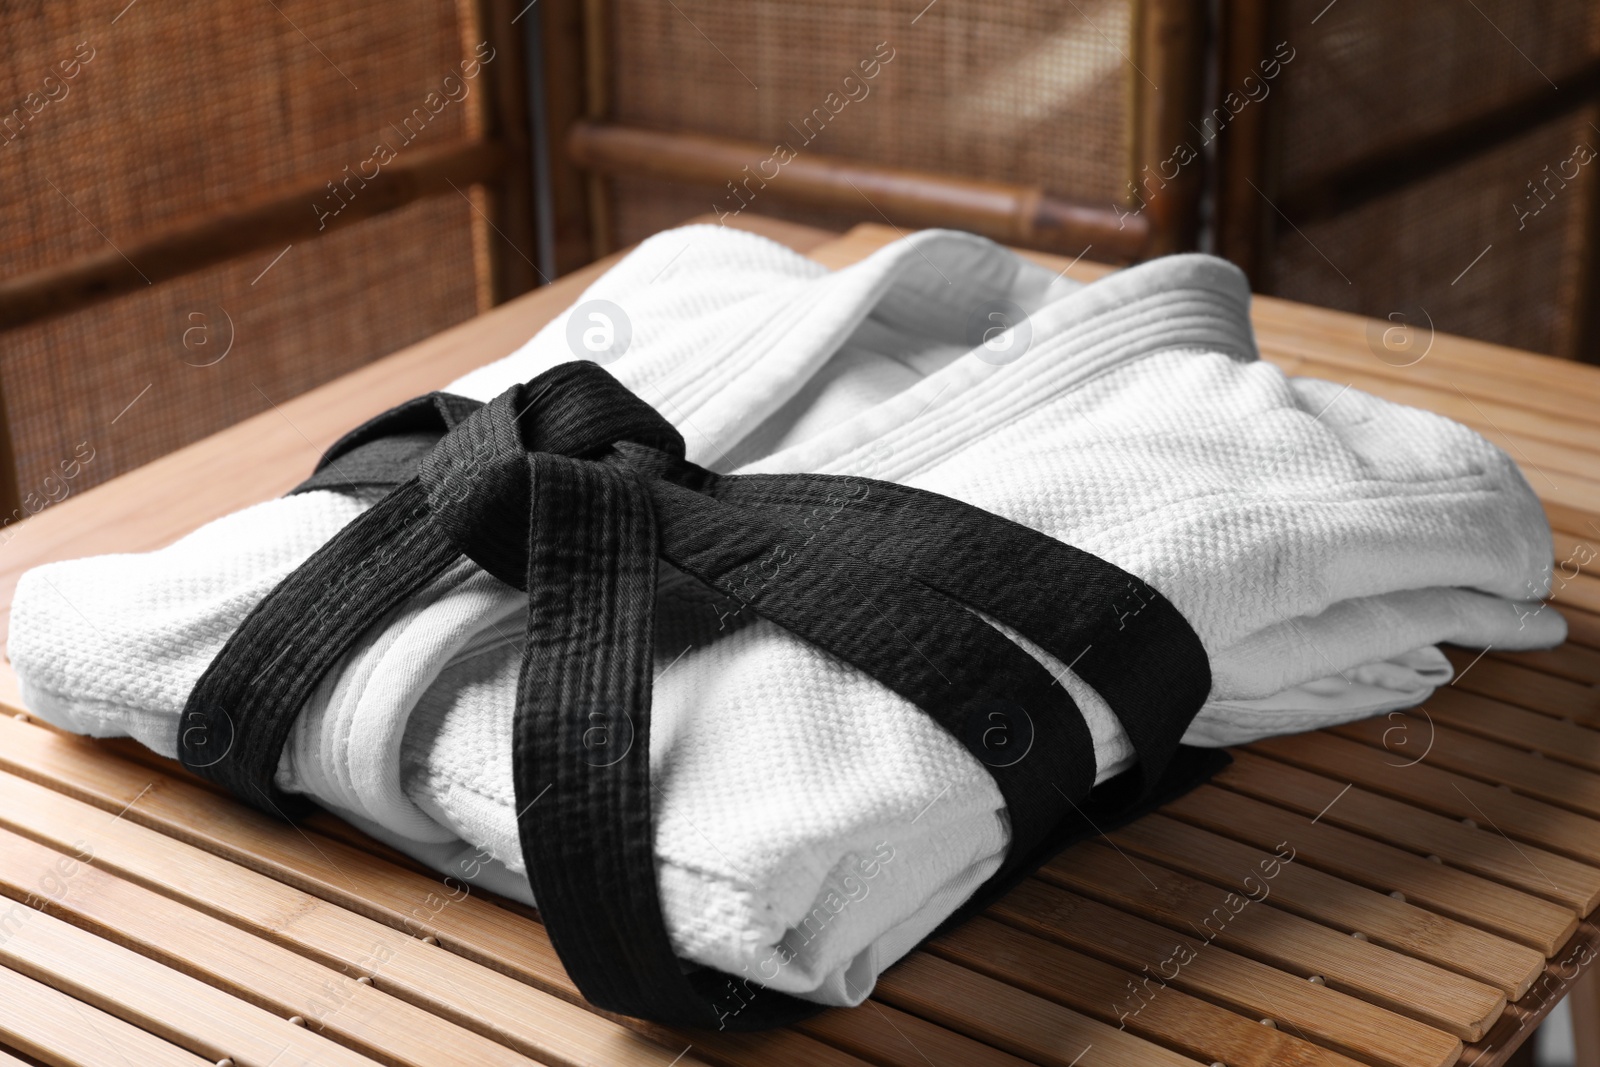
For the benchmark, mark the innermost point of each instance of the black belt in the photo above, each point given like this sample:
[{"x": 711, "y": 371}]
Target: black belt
[{"x": 570, "y": 487}]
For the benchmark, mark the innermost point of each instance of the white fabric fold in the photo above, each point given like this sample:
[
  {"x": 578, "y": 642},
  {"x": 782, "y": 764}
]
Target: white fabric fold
[{"x": 811, "y": 826}]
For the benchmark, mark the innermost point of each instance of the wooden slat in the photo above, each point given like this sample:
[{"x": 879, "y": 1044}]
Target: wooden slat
[
  {"x": 1526, "y": 688},
  {"x": 1440, "y": 998},
  {"x": 1579, "y": 552},
  {"x": 1428, "y": 785},
  {"x": 339, "y": 874},
  {"x": 1334, "y": 1019},
  {"x": 1311, "y": 893},
  {"x": 1511, "y": 914},
  {"x": 775, "y": 1046},
  {"x": 8, "y": 1060},
  {"x": 1526, "y": 731},
  {"x": 1578, "y": 594},
  {"x": 47, "y": 815},
  {"x": 166, "y": 1002},
  {"x": 1013, "y": 1020},
  {"x": 1520, "y": 1019},
  {"x": 902, "y": 1035},
  {"x": 445, "y": 984},
  {"x": 332, "y": 1003},
  {"x": 426, "y": 975},
  {"x": 1543, "y": 779},
  {"x": 1166, "y": 1016},
  {"x": 1571, "y": 661},
  {"x": 64, "y": 1032},
  {"x": 1583, "y": 627},
  {"x": 1575, "y": 585},
  {"x": 1481, "y": 850}
]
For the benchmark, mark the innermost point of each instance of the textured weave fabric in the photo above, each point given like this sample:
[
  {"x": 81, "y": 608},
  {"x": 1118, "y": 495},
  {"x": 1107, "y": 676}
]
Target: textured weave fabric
[
  {"x": 571, "y": 489},
  {"x": 811, "y": 826}
]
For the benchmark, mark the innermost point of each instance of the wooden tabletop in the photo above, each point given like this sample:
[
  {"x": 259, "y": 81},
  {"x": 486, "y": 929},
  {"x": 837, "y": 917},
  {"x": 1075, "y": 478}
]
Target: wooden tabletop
[{"x": 1408, "y": 891}]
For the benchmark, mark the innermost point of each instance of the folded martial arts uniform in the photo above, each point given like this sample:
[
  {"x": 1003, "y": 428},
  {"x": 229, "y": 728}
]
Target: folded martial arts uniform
[{"x": 811, "y": 823}]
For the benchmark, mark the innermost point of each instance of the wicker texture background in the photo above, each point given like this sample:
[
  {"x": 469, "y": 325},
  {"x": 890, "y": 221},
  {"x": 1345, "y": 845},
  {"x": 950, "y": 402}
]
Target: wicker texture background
[
  {"x": 185, "y": 109},
  {"x": 1411, "y": 247},
  {"x": 191, "y": 106},
  {"x": 325, "y": 308},
  {"x": 1010, "y": 90},
  {"x": 642, "y": 206},
  {"x": 1370, "y": 75}
]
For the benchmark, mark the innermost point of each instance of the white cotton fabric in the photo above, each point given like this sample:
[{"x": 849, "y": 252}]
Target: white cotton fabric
[{"x": 811, "y": 826}]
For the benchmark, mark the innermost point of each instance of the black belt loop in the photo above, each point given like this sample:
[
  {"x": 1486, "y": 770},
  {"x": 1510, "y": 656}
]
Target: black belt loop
[{"x": 572, "y": 488}]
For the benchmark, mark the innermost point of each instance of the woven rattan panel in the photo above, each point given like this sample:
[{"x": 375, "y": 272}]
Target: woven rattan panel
[
  {"x": 185, "y": 106},
  {"x": 1420, "y": 247},
  {"x": 131, "y": 379},
  {"x": 1369, "y": 75},
  {"x": 646, "y": 205},
  {"x": 972, "y": 90}
]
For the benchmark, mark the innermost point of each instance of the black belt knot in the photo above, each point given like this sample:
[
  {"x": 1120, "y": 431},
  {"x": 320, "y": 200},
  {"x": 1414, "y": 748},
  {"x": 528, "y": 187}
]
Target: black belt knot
[
  {"x": 572, "y": 488},
  {"x": 479, "y": 479}
]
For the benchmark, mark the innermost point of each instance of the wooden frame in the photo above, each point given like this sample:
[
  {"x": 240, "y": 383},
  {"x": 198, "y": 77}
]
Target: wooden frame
[
  {"x": 1168, "y": 46},
  {"x": 1167, "y": 90},
  {"x": 177, "y": 252},
  {"x": 1243, "y": 178},
  {"x": 1018, "y": 214},
  {"x": 1249, "y": 165},
  {"x": 195, "y": 925},
  {"x": 490, "y": 164},
  {"x": 503, "y": 121},
  {"x": 1583, "y": 340},
  {"x": 561, "y": 67},
  {"x": 597, "y": 108},
  {"x": 497, "y": 159}
]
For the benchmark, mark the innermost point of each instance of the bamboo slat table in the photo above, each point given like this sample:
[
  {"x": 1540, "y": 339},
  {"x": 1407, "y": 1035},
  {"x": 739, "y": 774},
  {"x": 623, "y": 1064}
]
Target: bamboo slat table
[{"x": 1410, "y": 891}]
